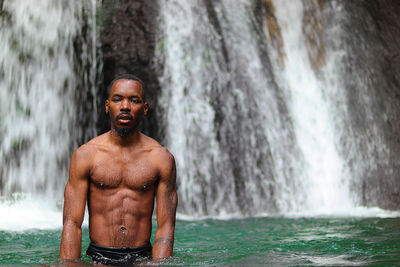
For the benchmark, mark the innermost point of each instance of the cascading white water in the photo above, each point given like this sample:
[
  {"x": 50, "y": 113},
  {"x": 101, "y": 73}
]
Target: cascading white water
[
  {"x": 38, "y": 103},
  {"x": 325, "y": 175},
  {"x": 351, "y": 90},
  {"x": 256, "y": 126},
  {"x": 191, "y": 133},
  {"x": 340, "y": 155},
  {"x": 225, "y": 121}
]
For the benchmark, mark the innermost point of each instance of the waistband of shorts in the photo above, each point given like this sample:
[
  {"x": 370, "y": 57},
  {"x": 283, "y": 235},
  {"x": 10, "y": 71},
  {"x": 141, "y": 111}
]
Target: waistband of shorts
[{"x": 122, "y": 249}]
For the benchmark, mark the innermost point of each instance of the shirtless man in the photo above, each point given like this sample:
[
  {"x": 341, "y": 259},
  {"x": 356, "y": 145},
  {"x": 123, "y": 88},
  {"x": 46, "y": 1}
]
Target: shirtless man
[{"x": 120, "y": 173}]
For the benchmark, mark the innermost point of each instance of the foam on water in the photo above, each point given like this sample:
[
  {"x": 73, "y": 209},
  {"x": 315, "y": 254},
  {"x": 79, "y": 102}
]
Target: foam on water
[
  {"x": 362, "y": 212},
  {"x": 28, "y": 213},
  {"x": 357, "y": 212},
  {"x": 24, "y": 212}
]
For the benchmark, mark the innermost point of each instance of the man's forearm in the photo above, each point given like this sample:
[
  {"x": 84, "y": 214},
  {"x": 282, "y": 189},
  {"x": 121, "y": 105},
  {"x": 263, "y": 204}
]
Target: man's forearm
[
  {"x": 163, "y": 247},
  {"x": 71, "y": 242}
]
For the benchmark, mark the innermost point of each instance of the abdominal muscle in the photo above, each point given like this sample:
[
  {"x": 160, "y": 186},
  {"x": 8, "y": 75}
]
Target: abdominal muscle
[{"x": 120, "y": 217}]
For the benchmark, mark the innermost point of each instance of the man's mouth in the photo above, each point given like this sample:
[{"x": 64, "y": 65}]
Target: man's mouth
[{"x": 124, "y": 118}]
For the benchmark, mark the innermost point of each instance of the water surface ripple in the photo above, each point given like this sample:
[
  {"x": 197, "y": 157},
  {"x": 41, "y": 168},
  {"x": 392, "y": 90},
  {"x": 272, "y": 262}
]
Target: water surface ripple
[{"x": 250, "y": 241}]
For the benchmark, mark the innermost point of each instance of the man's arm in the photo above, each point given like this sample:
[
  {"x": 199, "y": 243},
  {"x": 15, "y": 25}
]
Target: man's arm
[
  {"x": 167, "y": 201},
  {"x": 74, "y": 205}
]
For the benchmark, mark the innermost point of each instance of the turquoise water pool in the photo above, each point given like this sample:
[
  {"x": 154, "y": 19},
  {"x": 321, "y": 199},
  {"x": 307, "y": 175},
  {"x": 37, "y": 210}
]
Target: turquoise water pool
[{"x": 250, "y": 241}]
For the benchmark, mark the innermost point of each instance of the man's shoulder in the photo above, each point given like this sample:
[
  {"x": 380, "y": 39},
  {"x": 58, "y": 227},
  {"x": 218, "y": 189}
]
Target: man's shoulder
[
  {"x": 163, "y": 155},
  {"x": 97, "y": 141},
  {"x": 163, "y": 159},
  {"x": 90, "y": 147},
  {"x": 158, "y": 151}
]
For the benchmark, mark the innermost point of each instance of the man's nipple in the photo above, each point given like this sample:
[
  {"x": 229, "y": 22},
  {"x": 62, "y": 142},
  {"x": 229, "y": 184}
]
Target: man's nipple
[{"x": 123, "y": 229}]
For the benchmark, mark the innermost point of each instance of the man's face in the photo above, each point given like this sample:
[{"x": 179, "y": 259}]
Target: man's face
[{"x": 126, "y": 106}]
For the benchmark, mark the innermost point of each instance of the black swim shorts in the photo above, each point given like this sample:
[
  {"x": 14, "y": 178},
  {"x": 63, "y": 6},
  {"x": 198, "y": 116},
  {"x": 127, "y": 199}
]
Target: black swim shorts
[{"x": 119, "y": 256}]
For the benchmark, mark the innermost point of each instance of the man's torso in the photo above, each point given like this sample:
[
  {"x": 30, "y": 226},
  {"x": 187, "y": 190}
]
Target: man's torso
[{"x": 122, "y": 184}]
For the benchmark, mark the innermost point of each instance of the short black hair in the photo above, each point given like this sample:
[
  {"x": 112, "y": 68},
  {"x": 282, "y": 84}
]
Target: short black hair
[{"x": 127, "y": 76}]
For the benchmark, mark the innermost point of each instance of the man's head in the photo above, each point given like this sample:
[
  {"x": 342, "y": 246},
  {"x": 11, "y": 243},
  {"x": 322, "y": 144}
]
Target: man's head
[
  {"x": 126, "y": 104},
  {"x": 127, "y": 77}
]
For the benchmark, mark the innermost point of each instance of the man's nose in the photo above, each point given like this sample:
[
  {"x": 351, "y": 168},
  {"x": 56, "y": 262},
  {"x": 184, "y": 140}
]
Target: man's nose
[{"x": 125, "y": 104}]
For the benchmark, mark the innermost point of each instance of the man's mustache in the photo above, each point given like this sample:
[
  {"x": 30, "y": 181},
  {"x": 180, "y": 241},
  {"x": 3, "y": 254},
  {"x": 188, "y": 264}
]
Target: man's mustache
[{"x": 124, "y": 115}]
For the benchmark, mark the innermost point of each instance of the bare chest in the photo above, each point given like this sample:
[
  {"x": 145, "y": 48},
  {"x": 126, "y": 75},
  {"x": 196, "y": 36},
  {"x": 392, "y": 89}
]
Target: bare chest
[{"x": 117, "y": 171}]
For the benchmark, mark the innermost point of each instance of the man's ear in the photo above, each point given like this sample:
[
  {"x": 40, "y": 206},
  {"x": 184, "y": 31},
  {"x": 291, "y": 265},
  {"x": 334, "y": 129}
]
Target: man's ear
[
  {"x": 146, "y": 108},
  {"x": 107, "y": 106}
]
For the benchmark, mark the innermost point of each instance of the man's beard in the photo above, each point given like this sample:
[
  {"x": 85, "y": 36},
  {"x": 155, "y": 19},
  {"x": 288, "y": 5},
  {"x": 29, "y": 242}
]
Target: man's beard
[{"x": 124, "y": 132}]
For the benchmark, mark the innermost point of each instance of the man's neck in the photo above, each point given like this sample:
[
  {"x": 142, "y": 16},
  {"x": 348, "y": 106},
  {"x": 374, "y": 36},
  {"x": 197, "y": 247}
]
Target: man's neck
[{"x": 129, "y": 140}]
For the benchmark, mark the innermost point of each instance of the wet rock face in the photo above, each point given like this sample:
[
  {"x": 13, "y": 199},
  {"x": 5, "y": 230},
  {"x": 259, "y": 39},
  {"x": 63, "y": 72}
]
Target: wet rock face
[
  {"x": 377, "y": 25},
  {"x": 127, "y": 38},
  {"x": 386, "y": 15}
]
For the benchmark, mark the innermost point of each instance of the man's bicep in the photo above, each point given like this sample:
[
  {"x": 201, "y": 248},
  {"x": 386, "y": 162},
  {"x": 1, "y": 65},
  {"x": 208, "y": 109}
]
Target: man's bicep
[
  {"x": 76, "y": 189},
  {"x": 168, "y": 175},
  {"x": 166, "y": 196},
  {"x": 74, "y": 206}
]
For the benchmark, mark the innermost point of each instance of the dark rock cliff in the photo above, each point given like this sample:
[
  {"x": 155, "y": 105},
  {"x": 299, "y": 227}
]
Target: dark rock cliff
[
  {"x": 375, "y": 40},
  {"x": 386, "y": 14},
  {"x": 127, "y": 38}
]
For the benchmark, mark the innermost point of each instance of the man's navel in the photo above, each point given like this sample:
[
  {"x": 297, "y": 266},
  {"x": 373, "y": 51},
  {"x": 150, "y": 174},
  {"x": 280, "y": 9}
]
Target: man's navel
[{"x": 123, "y": 229}]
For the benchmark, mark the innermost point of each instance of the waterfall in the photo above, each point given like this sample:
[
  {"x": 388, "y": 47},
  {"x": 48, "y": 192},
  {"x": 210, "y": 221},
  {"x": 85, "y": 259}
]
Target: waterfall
[
  {"x": 325, "y": 174},
  {"x": 42, "y": 79},
  {"x": 269, "y": 106},
  {"x": 256, "y": 111},
  {"x": 228, "y": 124}
]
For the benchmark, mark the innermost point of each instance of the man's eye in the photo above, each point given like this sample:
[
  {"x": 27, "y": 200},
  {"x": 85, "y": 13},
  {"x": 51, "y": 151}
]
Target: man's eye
[
  {"x": 116, "y": 99},
  {"x": 135, "y": 101}
]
